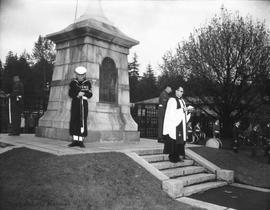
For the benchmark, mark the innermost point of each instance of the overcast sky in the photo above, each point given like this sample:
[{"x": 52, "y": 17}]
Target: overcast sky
[{"x": 157, "y": 25}]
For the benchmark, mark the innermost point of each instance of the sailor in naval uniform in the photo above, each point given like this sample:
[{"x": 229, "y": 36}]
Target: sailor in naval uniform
[
  {"x": 174, "y": 128},
  {"x": 79, "y": 91}
]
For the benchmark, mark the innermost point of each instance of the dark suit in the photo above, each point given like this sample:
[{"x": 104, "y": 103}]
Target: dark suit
[
  {"x": 236, "y": 135},
  {"x": 163, "y": 99},
  {"x": 254, "y": 137},
  {"x": 16, "y": 99}
]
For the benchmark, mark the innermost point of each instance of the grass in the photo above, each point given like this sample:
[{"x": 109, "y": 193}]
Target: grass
[
  {"x": 251, "y": 171},
  {"x": 35, "y": 180}
]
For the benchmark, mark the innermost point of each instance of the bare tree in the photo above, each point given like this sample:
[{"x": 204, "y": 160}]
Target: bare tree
[{"x": 226, "y": 61}]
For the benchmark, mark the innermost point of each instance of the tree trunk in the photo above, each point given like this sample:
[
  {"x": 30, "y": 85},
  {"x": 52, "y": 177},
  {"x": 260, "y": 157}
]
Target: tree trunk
[{"x": 227, "y": 123}]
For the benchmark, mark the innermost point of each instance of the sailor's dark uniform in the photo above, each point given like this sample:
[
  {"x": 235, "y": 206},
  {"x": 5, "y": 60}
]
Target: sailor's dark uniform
[{"x": 79, "y": 107}]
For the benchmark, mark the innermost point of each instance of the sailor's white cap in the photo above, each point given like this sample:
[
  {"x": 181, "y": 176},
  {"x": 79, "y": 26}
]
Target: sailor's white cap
[{"x": 80, "y": 70}]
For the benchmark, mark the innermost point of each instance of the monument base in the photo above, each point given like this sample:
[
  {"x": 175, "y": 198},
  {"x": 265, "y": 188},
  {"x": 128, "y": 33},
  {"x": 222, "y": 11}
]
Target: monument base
[{"x": 93, "y": 136}]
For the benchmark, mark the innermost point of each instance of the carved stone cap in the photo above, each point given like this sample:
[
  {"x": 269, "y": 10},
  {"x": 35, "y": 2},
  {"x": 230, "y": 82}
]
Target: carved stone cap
[{"x": 93, "y": 28}]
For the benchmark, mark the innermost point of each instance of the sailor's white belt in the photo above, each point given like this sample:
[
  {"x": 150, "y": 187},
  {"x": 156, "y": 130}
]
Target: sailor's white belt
[
  {"x": 84, "y": 98},
  {"x": 160, "y": 105}
]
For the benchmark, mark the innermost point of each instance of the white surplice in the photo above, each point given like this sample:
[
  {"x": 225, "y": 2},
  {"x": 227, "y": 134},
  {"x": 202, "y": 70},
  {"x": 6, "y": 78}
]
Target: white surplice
[{"x": 173, "y": 117}]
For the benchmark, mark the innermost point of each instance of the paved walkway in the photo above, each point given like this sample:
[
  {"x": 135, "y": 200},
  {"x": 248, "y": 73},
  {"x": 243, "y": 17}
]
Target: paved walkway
[
  {"x": 59, "y": 147},
  {"x": 235, "y": 197}
]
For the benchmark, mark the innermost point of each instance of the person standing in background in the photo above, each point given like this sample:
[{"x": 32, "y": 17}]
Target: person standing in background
[
  {"x": 216, "y": 129},
  {"x": 266, "y": 140},
  {"x": 189, "y": 132},
  {"x": 163, "y": 99},
  {"x": 236, "y": 136},
  {"x": 254, "y": 137},
  {"x": 16, "y": 106},
  {"x": 197, "y": 129}
]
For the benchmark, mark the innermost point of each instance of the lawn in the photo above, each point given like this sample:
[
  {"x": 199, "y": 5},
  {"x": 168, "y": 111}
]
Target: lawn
[
  {"x": 31, "y": 179},
  {"x": 252, "y": 171}
]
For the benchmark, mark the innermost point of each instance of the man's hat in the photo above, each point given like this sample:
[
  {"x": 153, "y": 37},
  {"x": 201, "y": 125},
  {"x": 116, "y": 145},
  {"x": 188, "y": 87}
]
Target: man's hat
[{"x": 80, "y": 70}]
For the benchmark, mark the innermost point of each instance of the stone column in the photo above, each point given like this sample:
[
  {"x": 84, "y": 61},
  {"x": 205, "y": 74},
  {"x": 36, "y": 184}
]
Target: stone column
[{"x": 86, "y": 43}]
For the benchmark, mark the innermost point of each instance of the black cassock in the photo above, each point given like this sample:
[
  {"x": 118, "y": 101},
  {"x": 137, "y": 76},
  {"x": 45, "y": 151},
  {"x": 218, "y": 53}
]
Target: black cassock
[
  {"x": 79, "y": 106},
  {"x": 174, "y": 145}
]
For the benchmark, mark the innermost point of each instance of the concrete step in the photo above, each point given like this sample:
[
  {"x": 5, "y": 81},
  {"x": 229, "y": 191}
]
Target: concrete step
[
  {"x": 185, "y": 177},
  {"x": 196, "y": 178},
  {"x": 149, "y": 152},
  {"x": 167, "y": 164},
  {"x": 182, "y": 171},
  {"x": 189, "y": 190},
  {"x": 155, "y": 158}
]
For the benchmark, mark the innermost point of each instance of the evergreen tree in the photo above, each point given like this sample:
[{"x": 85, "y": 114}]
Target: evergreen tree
[
  {"x": 172, "y": 73},
  {"x": 43, "y": 57},
  {"x": 36, "y": 78},
  {"x": 133, "y": 73},
  {"x": 24, "y": 67},
  {"x": 149, "y": 75},
  {"x": 27, "y": 57},
  {"x": 147, "y": 85},
  {"x": 14, "y": 66},
  {"x": 133, "y": 67},
  {"x": 10, "y": 69},
  {"x": 43, "y": 50}
]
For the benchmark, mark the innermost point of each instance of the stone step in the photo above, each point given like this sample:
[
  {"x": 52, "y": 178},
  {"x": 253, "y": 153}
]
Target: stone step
[
  {"x": 196, "y": 178},
  {"x": 189, "y": 190},
  {"x": 155, "y": 158},
  {"x": 182, "y": 171},
  {"x": 149, "y": 152},
  {"x": 167, "y": 164}
]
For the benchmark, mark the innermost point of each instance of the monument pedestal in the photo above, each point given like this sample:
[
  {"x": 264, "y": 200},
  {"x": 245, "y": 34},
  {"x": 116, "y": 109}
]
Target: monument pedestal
[{"x": 103, "y": 50}]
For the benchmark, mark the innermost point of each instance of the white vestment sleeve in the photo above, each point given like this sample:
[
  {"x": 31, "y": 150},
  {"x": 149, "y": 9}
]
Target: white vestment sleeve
[{"x": 172, "y": 119}]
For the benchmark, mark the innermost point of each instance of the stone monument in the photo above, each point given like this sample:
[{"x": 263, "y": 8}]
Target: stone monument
[{"x": 94, "y": 42}]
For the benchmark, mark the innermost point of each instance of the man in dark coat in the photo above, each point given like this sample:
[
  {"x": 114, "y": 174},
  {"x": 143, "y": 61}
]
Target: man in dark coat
[
  {"x": 189, "y": 132},
  {"x": 79, "y": 91},
  {"x": 216, "y": 129},
  {"x": 236, "y": 136},
  {"x": 163, "y": 99},
  {"x": 176, "y": 117},
  {"x": 254, "y": 137},
  {"x": 266, "y": 140},
  {"x": 16, "y": 106}
]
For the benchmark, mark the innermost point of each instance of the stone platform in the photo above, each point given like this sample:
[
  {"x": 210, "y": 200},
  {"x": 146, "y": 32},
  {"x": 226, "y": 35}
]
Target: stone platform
[{"x": 59, "y": 147}]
